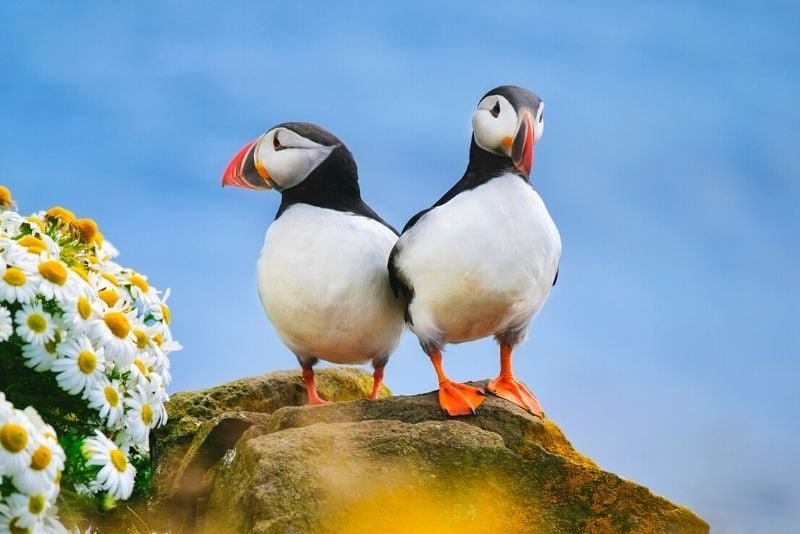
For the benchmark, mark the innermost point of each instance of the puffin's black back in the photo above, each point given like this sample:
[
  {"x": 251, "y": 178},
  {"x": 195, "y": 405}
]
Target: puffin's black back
[{"x": 334, "y": 183}]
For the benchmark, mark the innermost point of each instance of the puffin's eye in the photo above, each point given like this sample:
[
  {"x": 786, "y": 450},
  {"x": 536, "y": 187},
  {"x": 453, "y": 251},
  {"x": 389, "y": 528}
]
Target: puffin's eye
[
  {"x": 541, "y": 117},
  {"x": 276, "y": 144},
  {"x": 495, "y": 111}
]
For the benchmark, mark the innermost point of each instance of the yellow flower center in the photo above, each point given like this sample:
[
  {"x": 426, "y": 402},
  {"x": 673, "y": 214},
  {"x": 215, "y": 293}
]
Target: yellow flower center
[
  {"x": 33, "y": 244},
  {"x": 35, "y": 221},
  {"x": 80, "y": 271},
  {"x": 141, "y": 339},
  {"x": 86, "y": 229},
  {"x": 40, "y": 458},
  {"x": 140, "y": 282},
  {"x": 109, "y": 296},
  {"x": 87, "y": 362},
  {"x": 12, "y": 526},
  {"x": 140, "y": 365},
  {"x": 36, "y": 504},
  {"x": 13, "y": 437},
  {"x": 84, "y": 308},
  {"x": 118, "y": 324},
  {"x": 147, "y": 414},
  {"x": 111, "y": 396},
  {"x": 110, "y": 278},
  {"x": 53, "y": 271},
  {"x": 37, "y": 323},
  {"x": 158, "y": 339},
  {"x": 59, "y": 213},
  {"x": 14, "y": 277},
  {"x": 119, "y": 460},
  {"x": 166, "y": 313},
  {"x": 5, "y": 197},
  {"x": 50, "y": 346}
]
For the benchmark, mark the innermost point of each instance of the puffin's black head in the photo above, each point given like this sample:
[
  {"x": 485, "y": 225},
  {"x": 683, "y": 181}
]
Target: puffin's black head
[
  {"x": 289, "y": 155},
  {"x": 508, "y": 122}
]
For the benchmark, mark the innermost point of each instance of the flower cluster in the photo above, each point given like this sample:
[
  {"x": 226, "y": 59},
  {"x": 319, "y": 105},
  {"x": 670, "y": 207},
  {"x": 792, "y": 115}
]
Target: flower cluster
[
  {"x": 95, "y": 334},
  {"x": 31, "y": 462}
]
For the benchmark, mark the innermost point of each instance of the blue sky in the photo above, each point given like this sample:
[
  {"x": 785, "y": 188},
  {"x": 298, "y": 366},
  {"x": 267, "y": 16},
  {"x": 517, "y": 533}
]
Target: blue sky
[{"x": 669, "y": 350}]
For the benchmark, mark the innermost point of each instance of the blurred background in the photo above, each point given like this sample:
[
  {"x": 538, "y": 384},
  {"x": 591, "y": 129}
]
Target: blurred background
[{"x": 669, "y": 351}]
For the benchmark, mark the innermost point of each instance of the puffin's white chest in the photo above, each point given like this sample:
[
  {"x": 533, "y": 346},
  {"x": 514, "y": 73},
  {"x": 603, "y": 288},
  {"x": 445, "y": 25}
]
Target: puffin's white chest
[
  {"x": 323, "y": 282},
  {"x": 482, "y": 263}
]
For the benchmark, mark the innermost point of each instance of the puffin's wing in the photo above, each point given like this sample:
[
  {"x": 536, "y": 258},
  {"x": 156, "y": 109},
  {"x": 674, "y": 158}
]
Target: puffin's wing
[{"x": 555, "y": 279}]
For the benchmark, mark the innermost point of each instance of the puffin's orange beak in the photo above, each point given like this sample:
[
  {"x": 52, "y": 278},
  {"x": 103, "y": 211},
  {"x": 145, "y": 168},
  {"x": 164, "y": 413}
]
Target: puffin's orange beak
[
  {"x": 244, "y": 171},
  {"x": 522, "y": 149}
]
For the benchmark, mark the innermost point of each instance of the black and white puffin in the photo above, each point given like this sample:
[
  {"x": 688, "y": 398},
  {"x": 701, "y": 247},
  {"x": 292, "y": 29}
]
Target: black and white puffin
[
  {"x": 482, "y": 260},
  {"x": 322, "y": 272}
]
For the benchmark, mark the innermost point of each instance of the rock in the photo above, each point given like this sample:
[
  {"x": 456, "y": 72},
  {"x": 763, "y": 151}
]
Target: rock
[
  {"x": 208, "y": 422},
  {"x": 246, "y": 458}
]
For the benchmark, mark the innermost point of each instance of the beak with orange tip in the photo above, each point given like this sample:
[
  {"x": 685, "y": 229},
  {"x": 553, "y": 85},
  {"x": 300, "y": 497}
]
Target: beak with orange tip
[
  {"x": 245, "y": 171},
  {"x": 522, "y": 148}
]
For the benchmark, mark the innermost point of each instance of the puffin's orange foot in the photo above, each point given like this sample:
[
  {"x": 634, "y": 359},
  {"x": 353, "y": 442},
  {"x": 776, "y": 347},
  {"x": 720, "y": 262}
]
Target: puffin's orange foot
[
  {"x": 317, "y": 401},
  {"x": 459, "y": 399},
  {"x": 510, "y": 389}
]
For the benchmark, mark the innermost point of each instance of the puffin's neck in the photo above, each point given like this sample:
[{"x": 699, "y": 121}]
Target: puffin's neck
[
  {"x": 484, "y": 165},
  {"x": 333, "y": 185}
]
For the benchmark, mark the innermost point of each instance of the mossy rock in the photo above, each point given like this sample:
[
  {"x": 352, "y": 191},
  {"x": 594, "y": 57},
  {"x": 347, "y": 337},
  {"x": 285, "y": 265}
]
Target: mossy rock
[
  {"x": 249, "y": 457},
  {"x": 431, "y": 476},
  {"x": 204, "y": 424},
  {"x": 194, "y": 416}
]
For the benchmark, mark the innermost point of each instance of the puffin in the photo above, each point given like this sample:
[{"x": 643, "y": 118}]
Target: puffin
[
  {"x": 322, "y": 276},
  {"x": 482, "y": 260}
]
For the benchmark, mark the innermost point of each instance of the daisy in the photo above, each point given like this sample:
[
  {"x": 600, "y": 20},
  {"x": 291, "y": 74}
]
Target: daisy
[
  {"x": 6, "y": 325},
  {"x": 44, "y": 430},
  {"x": 34, "y": 325},
  {"x": 16, "y": 442},
  {"x": 9, "y": 522},
  {"x": 144, "y": 412},
  {"x": 79, "y": 313},
  {"x": 106, "y": 398},
  {"x": 116, "y": 472},
  {"x": 11, "y": 222},
  {"x": 113, "y": 332},
  {"x": 41, "y": 357},
  {"x": 142, "y": 293},
  {"x": 17, "y": 284},
  {"x": 29, "y": 511},
  {"x": 82, "y": 367},
  {"x": 33, "y": 244},
  {"x": 47, "y": 461},
  {"x": 142, "y": 366},
  {"x": 56, "y": 280}
]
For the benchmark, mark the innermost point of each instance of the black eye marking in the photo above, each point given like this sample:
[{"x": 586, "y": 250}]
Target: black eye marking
[
  {"x": 495, "y": 111},
  {"x": 541, "y": 117},
  {"x": 276, "y": 144}
]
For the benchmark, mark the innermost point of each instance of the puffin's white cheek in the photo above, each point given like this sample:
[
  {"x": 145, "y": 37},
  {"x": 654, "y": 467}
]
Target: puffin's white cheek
[
  {"x": 490, "y": 131},
  {"x": 290, "y": 166},
  {"x": 485, "y": 128}
]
